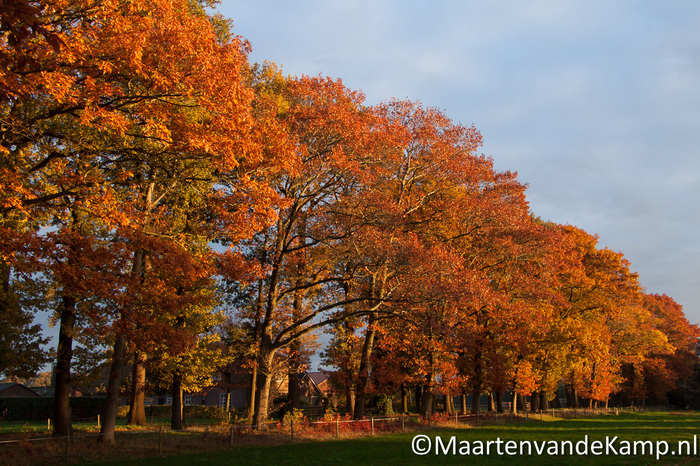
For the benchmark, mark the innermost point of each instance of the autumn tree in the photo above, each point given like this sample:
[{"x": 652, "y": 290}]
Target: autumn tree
[
  {"x": 113, "y": 103},
  {"x": 301, "y": 284},
  {"x": 664, "y": 372}
]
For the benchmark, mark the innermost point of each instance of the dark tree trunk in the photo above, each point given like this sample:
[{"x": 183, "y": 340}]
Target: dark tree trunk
[
  {"x": 499, "y": 402},
  {"x": 476, "y": 400},
  {"x": 363, "y": 372},
  {"x": 265, "y": 374},
  {"x": 522, "y": 402},
  {"x": 427, "y": 401},
  {"x": 116, "y": 372},
  {"x": 294, "y": 377},
  {"x": 61, "y": 411},
  {"x": 404, "y": 398},
  {"x": 109, "y": 415},
  {"x": 556, "y": 403},
  {"x": 419, "y": 397},
  {"x": 259, "y": 309},
  {"x": 137, "y": 411}
]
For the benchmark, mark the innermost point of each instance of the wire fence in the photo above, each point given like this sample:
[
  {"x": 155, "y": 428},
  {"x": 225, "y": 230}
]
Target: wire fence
[{"x": 82, "y": 445}]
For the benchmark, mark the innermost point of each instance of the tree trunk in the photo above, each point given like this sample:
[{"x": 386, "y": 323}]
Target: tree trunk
[
  {"x": 109, "y": 415},
  {"x": 293, "y": 377},
  {"x": 427, "y": 400},
  {"x": 534, "y": 402},
  {"x": 116, "y": 372},
  {"x": 404, "y": 398},
  {"x": 61, "y": 411},
  {"x": 492, "y": 404},
  {"x": 293, "y": 388},
  {"x": 514, "y": 403},
  {"x": 464, "y": 403},
  {"x": 543, "y": 401},
  {"x": 476, "y": 400},
  {"x": 265, "y": 375},
  {"x": 137, "y": 411},
  {"x": 419, "y": 397},
  {"x": 350, "y": 399},
  {"x": 253, "y": 391},
  {"x": 449, "y": 405},
  {"x": 257, "y": 328},
  {"x": 176, "y": 408},
  {"x": 522, "y": 402},
  {"x": 499, "y": 401},
  {"x": 363, "y": 372}
]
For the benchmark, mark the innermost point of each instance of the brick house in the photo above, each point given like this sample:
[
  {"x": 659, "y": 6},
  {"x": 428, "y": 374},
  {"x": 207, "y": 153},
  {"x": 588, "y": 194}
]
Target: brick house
[{"x": 315, "y": 386}]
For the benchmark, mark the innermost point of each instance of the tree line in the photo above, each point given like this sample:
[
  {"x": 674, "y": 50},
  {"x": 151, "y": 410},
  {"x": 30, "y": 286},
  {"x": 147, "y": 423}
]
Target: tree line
[{"x": 184, "y": 212}]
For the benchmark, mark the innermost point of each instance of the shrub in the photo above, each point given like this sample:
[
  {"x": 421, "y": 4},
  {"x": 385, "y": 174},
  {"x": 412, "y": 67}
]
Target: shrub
[
  {"x": 296, "y": 415},
  {"x": 385, "y": 405}
]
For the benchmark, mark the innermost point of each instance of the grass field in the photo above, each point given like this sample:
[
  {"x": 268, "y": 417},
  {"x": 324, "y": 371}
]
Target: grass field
[
  {"x": 319, "y": 447},
  {"x": 396, "y": 449}
]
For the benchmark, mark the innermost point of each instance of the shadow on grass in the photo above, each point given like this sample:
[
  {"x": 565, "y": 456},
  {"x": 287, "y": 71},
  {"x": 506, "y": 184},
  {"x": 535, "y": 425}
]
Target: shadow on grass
[{"x": 396, "y": 449}]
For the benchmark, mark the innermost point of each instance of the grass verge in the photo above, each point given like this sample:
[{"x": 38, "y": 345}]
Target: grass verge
[{"x": 643, "y": 431}]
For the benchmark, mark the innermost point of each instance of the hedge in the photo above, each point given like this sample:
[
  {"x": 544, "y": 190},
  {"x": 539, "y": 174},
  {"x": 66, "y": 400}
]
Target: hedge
[{"x": 38, "y": 409}]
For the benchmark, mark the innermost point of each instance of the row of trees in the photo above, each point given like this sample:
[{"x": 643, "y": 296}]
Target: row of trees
[{"x": 187, "y": 210}]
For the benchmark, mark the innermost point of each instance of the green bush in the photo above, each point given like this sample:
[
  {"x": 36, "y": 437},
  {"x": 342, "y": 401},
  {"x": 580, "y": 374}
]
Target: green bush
[
  {"x": 385, "y": 405},
  {"x": 206, "y": 412}
]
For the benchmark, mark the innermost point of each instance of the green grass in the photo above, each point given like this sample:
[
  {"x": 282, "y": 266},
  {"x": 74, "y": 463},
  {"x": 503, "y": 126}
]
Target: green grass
[
  {"x": 90, "y": 425},
  {"x": 24, "y": 427},
  {"x": 396, "y": 449}
]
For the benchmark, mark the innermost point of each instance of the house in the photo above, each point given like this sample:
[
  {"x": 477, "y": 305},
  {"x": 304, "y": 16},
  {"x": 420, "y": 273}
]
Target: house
[
  {"x": 13, "y": 389},
  {"x": 315, "y": 386},
  {"x": 234, "y": 394},
  {"x": 213, "y": 396}
]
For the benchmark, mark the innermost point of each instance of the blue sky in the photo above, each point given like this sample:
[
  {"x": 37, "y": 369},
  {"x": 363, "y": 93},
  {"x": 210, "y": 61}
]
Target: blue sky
[{"x": 596, "y": 104}]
